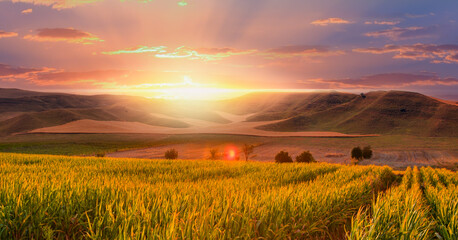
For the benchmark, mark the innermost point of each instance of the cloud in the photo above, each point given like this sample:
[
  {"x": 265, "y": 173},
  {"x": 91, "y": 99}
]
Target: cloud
[
  {"x": 327, "y": 21},
  {"x": 95, "y": 79},
  {"x": 27, "y": 11},
  {"x": 382, "y": 22},
  {"x": 61, "y": 77},
  {"x": 219, "y": 53},
  {"x": 182, "y": 3},
  {"x": 11, "y": 73},
  {"x": 4, "y": 34},
  {"x": 139, "y": 49},
  {"x": 56, "y": 4},
  {"x": 419, "y": 15},
  {"x": 206, "y": 54},
  {"x": 447, "y": 53},
  {"x": 58, "y": 77},
  {"x": 397, "y": 33},
  {"x": 69, "y": 35},
  {"x": 301, "y": 51},
  {"x": 382, "y": 81}
]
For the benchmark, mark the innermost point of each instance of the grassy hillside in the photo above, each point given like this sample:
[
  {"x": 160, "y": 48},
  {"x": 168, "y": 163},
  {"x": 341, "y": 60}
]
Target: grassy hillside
[
  {"x": 23, "y": 110},
  {"x": 19, "y": 93},
  {"x": 45, "y": 197},
  {"x": 29, "y": 121},
  {"x": 379, "y": 112},
  {"x": 274, "y": 106},
  {"x": 391, "y": 112}
]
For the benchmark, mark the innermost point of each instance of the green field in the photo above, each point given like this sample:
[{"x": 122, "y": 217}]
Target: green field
[
  {"x": 46, "y": 197},
  {"x": 90, "y": 144}
]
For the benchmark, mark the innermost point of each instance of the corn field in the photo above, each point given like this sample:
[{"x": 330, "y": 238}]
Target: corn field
[{"x": 60, "y": 197}]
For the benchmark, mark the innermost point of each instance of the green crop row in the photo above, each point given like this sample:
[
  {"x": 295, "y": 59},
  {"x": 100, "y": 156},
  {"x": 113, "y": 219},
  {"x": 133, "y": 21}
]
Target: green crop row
[
  {"x": 48, "y": 197},
  {"x": 423, "y": 206}
]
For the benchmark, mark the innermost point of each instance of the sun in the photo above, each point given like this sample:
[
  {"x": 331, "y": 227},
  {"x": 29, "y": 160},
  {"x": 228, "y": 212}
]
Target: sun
[{"x": 190, "y": 90}]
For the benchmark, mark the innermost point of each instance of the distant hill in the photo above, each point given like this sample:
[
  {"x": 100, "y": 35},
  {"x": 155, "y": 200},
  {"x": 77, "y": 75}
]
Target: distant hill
[
  {"x": 19, "y": 93},
  {"x": 276, "y": 106},
  {"x": 382, "y": 112},
  {"x": 393, "y": 112}
]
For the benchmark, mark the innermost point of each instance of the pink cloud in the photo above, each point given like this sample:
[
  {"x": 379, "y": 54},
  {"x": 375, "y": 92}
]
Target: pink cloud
[
  {"x": 397, "y": 33},
  {"x": 206, "y": 54},
  {"x": 328, "y": 21},
  {"x": 382, "y": 22},
  {"x": 301, "y": 51},
  {"x": 57, "y": 4},
  {"x": 27, "y": 11},
  {"x": 4, "y": 34},
  {"x": 381, "y": 81},
  {"x": 70, "y": 35},
  {"x": 10, "y": 73},
  {"x": 446, "y": 53}
]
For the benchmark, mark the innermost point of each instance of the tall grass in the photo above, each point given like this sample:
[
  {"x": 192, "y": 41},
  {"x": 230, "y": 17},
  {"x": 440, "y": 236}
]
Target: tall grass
[
  {"x": 442, "y": 194},
  {"x": 45, "y": 197},
  {"x": 399, "y": 213}
]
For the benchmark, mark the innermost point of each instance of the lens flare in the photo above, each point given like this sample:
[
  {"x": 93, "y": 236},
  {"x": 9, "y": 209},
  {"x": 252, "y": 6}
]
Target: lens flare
[{"x": 231, "y": 152}]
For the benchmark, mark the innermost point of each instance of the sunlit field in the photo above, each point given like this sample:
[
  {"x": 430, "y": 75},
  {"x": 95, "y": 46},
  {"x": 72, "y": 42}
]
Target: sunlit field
[{"x": 46, "y": 197}]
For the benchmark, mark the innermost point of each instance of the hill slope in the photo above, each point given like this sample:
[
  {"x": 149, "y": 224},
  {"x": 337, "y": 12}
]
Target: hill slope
[
  {"x": 381, "y": 112},
  {"x": 392, "y": 112}
]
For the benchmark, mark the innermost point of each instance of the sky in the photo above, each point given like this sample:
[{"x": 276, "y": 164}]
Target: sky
[{"x": 221, "y": 48}]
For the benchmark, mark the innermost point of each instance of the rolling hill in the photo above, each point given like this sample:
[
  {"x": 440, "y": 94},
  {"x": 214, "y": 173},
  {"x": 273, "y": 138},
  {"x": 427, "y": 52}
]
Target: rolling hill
[
  {"x": 392, "y": 112},
  {"x": 381, "y": 112}
]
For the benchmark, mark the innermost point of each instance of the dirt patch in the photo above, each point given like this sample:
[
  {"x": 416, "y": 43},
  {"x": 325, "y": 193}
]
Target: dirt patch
[{"x": 234, "y": 128}]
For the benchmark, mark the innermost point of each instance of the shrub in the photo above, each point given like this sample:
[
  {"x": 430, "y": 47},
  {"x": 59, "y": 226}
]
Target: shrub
[
  {"x": 248, "y": 149},
  {"x": 357, "y": 153},
  {"x": 305, "y": 157},
  {"x": 100, "y": 154},
  {"x": 171, "y": 154},
  {"x": 214, "y": 153},
  {"x": 283, "y": 157},
  {"x": 367, "y": 152}
]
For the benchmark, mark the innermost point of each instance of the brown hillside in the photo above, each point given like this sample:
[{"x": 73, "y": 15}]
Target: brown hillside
[{"x": 392, "y": 112}]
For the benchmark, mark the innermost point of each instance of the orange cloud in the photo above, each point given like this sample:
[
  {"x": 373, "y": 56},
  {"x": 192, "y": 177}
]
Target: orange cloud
[
  {"x": 397, "y": 33},
  {"x": 327, "y": 21},
  {"x": 301, "y": 51},
  {"x": 11, "y": 74},
  {"x": 446, "y": 53},
  {"x": 69, "y": 35},
  {"x": 27, "y": 11},
  {"x": 212, "y": 54},
  {"x": 206, "y": 54},
  {"x": 381, "y": 81},
  {"x": 382, "y": 22},
  {"x": 57, "y": 4},
  {"x": 4, "y": 34}
]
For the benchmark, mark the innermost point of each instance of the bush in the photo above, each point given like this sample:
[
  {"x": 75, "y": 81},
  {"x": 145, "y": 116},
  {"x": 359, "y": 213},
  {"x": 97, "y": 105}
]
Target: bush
[
  {"x": 100, "y": 154},
  {"x": 283, "y": 157},
  {"x": 248, "y": 149},
  {"x": 305, "y": 157},
  {"x": 214, "y": 153},
  {"x": 171, "y": 154},
  {"x": 367, "y": 152},
  {"x": 357, "y": 153}
]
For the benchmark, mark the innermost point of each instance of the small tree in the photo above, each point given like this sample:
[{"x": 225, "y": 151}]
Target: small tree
[
  {"x": 171, "y": 154},
  {"x": 357, "y": 153},
  {"x": 214, "y": 153},
  {"x": 283, "y": 157},
  {"x": 102, "y": 154},
  {"x": 305, "y": 157},
  {"x": 367, "y": 152},
  {"x": 248, "y": 150}
]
